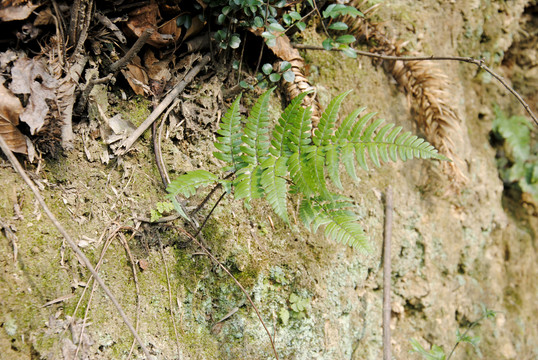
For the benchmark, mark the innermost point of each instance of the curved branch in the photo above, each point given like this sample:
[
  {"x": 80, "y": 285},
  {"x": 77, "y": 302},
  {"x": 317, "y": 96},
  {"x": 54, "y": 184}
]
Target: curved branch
[{"x": 480, "y": 63}]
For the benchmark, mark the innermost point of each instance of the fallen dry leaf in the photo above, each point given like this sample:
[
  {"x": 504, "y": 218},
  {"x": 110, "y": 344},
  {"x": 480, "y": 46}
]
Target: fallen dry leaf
[
  {"x": 136, "y": 76},
  {"x": 29, "y": 76},
  {"x": 157, "y": 70},
  {"x": 147, "y": 17},
  {"x": 11, "y": 10},
  {"x": 10, "y": 109}
]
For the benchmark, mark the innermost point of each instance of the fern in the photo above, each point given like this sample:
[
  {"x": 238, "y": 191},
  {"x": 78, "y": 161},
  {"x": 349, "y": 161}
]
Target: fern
[
  {"x": 229, "y": 142},
  {"x": 293, "y": 160}
]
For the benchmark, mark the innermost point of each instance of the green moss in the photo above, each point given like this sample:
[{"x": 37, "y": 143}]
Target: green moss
[{"x": 135, "y": 110}]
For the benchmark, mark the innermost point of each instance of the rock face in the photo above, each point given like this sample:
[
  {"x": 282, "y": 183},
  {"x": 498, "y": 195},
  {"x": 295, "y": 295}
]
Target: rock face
[{"x": 453, "y": 252}]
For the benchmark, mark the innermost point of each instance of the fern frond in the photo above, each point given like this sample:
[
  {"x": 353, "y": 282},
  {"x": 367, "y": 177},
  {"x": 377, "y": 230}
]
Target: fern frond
[
  {"x": 300, "y": 174},
  {"x": 229, "y": 141},
  {"x": 341, "y": 225},
  {"x": 315, "y": 165},
  {"x": 356, "y": 131},
  {"x": 325, "y": 130},
  {"x": 187, "y": 184},
  {"x": 274, "y": 185},
  {"x": 343, "y": 131},
  {"x": 387, "y": 145},
  {"x": 344, "y": 228},
  {"x": 248, "y": 183},
  {"x": 256, "y": 139},
  {"x": 300, "y": 135},
  {"x": 347, "y": 158},
  {"x": 331, "y": 160},
  {"x": 286, "y": 122}
]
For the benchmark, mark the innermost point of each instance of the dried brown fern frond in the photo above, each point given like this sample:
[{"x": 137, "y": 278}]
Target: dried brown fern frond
[
  {"x": 300, "y": 84},
  {"x": 427, "y": 86}
]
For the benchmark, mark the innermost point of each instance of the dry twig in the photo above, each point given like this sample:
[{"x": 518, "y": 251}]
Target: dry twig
[
  {"x": 478, "y": 62},
  {"x": 387, "y": 274},
  {"x": 132, "y": 51},
  {"x": 11, "y": 237},
  {"x": 178, "y": 89},
  {"x": 161, "y": 250}
]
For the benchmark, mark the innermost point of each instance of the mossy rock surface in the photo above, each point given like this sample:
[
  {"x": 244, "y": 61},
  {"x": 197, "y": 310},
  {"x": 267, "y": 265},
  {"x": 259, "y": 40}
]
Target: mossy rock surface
[{"x": 452, "y": 253}]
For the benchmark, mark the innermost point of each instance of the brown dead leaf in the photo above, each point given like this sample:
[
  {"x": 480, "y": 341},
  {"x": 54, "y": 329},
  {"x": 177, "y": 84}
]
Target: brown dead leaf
[
  {"x": 29, "y": 76},
  {"x": 158, "y": 70},
  {"x": 171, "y": 29},
  {"x": 147, "y": 17},
  {"x": 196, "y": 26},
  {"x": 44, "y": 17},
  {"x": 10, "y": 109},
  {"x": 136, "y": 76},
  {"x": 11, "y": 10}
]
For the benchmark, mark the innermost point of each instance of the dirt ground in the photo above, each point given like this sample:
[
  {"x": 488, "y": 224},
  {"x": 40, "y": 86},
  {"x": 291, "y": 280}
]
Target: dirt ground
[{"x": 454, "y": 253}]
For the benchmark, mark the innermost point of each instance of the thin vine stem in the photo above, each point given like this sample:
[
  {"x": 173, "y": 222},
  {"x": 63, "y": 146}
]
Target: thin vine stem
[
  {"x": 478, "y": 62},
  {"x": 193, "y": 238},
  {"x": 473, "y": 324}
]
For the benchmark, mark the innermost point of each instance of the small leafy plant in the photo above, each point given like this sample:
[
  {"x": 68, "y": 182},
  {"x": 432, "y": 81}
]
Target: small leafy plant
[
  {"x": 298, "y": 307},
  {"x": 296, "y": 161},
  {"x": 519, "y": 164},
  {"x": 161, "y": 208},
  {"x": 438, "y": 353}
]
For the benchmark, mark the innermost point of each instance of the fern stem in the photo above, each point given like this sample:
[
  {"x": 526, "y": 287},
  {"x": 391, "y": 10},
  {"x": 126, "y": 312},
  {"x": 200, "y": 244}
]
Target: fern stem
[
  {"x": 208, "y": 196},
  {"x": 199, "y": 230}
]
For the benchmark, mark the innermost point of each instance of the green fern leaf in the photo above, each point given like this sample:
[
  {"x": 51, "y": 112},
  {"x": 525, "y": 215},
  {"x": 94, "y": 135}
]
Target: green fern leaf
[
  {"x": 229, "y": 142},
  {"x": 370, "y": 129},
  {"x": 388, "y": 144},
  {"x": 300, "y": 174},
  {"x": 187, "y": 184},
  {"x": 248, "y": 183},
  {"x": 356, "y": 131},
  {"x": 300, "y": 135},
  {"x": 306, "y": 212},
  {"x": 331, "y": 160},
  {"x": 300, "y": 138},
  {"x": 274, "y": 185},
  {"x": 325, "y": 131},
  {"x": 360, "y": 153},
  {"x": 347, "y": 159},
  {"x": 255, "y": 146},
  {"x": 315, "y": 167},
  {"x": 279, "y": 142},
  {"x": 341, "y": 225},
  {"x": 344, "y": 228},
  {"x": 333, "y": 152}
]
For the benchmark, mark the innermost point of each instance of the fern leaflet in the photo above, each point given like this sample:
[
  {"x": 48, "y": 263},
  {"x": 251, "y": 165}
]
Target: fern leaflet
[
  {"x": 187, "y": 184},
  {"x": 274, "y": 185},
  {"x": 286, "y": 122},
  {"x": 255, "y": 139},
  {"x": 324, "y": 132},
  {"x": 229, "y": 141},
  {"x": 248, "y": 183}
]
